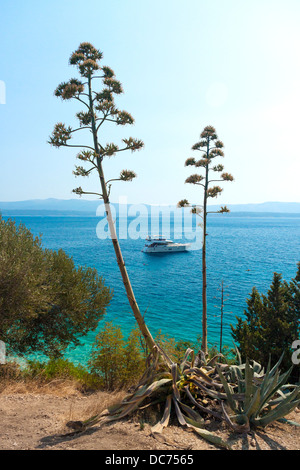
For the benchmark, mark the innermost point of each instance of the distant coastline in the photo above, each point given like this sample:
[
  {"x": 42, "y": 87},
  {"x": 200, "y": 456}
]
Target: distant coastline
[
  {"x": 57, "y": 213},
  {"x": 79, "y": 207}
]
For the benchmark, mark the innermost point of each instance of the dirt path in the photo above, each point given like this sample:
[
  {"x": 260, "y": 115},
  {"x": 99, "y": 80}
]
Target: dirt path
[{"x": 36, "y": 421}]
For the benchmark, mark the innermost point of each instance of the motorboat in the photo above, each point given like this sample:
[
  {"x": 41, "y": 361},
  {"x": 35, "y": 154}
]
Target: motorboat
[{"x": 159, "y": 244}]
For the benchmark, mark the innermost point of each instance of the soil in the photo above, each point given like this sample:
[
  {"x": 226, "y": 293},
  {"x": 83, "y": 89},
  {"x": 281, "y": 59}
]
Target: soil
[{"x": 37, "y": 421}]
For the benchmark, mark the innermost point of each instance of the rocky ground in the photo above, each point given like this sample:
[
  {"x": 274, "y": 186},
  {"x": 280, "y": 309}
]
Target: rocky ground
[{"x": 36, "y": 421}]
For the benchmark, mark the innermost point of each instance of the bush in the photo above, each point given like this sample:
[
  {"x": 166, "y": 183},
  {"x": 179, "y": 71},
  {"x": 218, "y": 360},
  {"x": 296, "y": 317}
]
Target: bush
[
  {"x": 46, "y": 303},
  {"x": 117, "y": 361},
  {"x": 272, "y": 322},
  {"x": 61, "y": 369}
]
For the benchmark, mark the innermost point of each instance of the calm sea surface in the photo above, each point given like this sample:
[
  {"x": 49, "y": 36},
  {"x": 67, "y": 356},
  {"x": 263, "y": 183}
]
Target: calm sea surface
[{"x": 243, "y": 251}]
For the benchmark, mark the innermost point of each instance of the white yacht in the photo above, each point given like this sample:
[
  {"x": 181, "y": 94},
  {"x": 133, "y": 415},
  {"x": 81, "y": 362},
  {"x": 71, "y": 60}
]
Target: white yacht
[{"x": 162, "y": 245}]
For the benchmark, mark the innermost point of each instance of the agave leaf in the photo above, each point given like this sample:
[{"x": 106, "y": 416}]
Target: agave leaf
[
  {"x": 200, "y": 359},
  {"x": 237, "y": 371},
  {"x": 249, "y": 387},
  {"x": 201, "y": 373},
  {"x": 174, "y": 380},
  {"x": 189, "y": 352},
  {"x": 191, "y": 413},
  {"x": 213, "y": 438},
  {"x": 164, "y": 355},
  {"x": 166, "y": 417},
  {"x": 178, "y": 413},
  {"x": 276, "y": 384},
  {"x": 238, "y": 354},
  {"x": 288, "y": 421},
  {"x": 136, "y": 396},
  {"x": 279, "y": 412},
  {"x": 208, "y": 436},
  {"x": 276, "y": 366},
  {"x": 293, "y": 396},
  {"x": 214, "y": 394},
  {"x": 241, "y": 423},
  {"x": 254, "y": 405},
  {"x": 155, "y": 385},
  {"x": 228, "y": 391},
  {"x": 202, "y": 408},
  {"x": 282, "y": 395},
  {"x": 257, "y": 368},
  {"x": 212, "y": 361},
  {"x": 130, "y": 408}
]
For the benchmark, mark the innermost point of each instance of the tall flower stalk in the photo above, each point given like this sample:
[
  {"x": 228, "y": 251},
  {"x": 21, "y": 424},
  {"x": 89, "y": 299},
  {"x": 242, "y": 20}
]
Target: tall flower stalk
[
  {"x": 211, "y": 148},
  {"x": 99, "y": 108}
]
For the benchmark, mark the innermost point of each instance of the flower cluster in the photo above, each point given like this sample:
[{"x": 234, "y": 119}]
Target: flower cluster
[
  {"x": 114, "y": 85},
  {"x": 216, "y": 153},
  {"x": 109, "y": 150},
  {"x": 85, "y": 118},
  {"x": 218, "y": 167},
  {"x": 124, "y": 118},
  {"x": 183, "y": 203},
  {"x": 190, "y": 162},
  {"x": 224, "y": 209},
  {"x": 133, "y": 144},
  {"x": 60, "y": 135},
  {"x": 214, "y": 192},
  {"x": 70, "y": 89},
  {"x": 209, "y": 132},
  {"x": 199, "y": 145},
  {"x": 80, "y": 171},
  {"x": 194, "y": 179},
  {"x": 86, "y": 58},
  {"x": 86, "y": 155},
  {"x": 227, "y": 177},
  {"x": 79, "y": 191},
  {"x": 127, "y": 175},
  {"x": 202, "y": 163}
]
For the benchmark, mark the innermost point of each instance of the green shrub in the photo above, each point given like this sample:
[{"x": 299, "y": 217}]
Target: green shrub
[
  {"x": 61, "y": 369},
  {"x": 109, "y": 358},
  {"x": 271, "y": 324},
  {"x": 46, "y": 303}
]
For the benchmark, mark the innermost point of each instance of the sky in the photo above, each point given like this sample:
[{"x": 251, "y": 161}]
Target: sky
[{"x": 183, "y": 66}]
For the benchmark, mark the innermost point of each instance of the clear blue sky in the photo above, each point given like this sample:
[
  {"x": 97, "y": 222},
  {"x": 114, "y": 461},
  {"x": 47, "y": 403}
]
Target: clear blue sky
[{"x": 183, "y": 65}]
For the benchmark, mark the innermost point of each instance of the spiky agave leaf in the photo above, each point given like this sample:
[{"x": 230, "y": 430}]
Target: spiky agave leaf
[
  {"x": 207, "y": 435},
  {"x": 166, "y": 417}
]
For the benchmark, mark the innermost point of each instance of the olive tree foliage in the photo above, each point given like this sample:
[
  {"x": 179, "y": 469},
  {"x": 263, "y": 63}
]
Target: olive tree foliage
[
  {"x": 99, "y": 108},
  {"x": 46, "y": 303},
  {"x": 210, "y": 147}
]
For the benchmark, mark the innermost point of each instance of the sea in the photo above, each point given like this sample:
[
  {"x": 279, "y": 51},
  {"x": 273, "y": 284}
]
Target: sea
[{"x": 243, "y": 251}]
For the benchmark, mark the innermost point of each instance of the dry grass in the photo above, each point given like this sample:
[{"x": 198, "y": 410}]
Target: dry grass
[
  {"x": 57, "y": 387},
  {"x": 98, "y": 402}
]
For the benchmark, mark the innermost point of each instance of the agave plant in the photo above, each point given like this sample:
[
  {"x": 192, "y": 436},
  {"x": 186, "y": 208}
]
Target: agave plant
[
  {"x": 197, "y": 388},
  {"x": 180, "y": 387}
]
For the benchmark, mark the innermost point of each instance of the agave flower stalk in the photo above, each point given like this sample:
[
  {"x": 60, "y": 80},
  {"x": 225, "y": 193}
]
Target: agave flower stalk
[
  {"x": 211, "y": 148},
  {"x": 99, "y": 108}
]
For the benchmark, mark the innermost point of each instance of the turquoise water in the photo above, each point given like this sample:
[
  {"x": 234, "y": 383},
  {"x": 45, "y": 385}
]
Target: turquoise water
[{"x": 242, "y": 251}]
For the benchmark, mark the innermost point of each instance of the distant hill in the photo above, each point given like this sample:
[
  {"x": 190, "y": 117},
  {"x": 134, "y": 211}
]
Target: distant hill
[
  {"x": 279, "y": 207},
  {"x": 81, "y": 206}
]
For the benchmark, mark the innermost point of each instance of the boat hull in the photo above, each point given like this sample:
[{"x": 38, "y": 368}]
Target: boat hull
[{"x": 165, "y": 249}]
